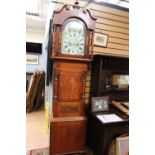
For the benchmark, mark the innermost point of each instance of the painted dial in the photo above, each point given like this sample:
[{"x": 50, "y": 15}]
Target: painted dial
[{"x": 73, "y": 38}]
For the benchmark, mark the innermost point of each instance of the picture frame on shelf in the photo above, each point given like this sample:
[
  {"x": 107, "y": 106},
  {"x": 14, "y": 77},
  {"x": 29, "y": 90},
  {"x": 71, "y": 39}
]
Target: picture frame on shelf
[
  {"x": 100, "y": 39},
  {"x": 120, "y": 80},
  {"x": 100, "y": 104}
]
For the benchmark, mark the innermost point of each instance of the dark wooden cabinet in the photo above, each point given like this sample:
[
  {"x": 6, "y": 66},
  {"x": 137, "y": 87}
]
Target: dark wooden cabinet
[
  {"x": 103, "y": 69},
  {"x": 100, "y": 135}
]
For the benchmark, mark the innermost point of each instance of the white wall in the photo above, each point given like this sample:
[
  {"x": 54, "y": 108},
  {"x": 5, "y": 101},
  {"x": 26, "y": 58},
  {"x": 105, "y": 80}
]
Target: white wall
[{"x": 35, "y": 35}]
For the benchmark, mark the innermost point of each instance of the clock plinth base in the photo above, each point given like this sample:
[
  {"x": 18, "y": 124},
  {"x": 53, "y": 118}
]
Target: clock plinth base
[{"x": 67, "y": 135}]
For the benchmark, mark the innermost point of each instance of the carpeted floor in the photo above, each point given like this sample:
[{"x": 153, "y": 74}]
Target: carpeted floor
[
  {"x": 45, "y": 151},
  {"x": 42, "y": 151}
]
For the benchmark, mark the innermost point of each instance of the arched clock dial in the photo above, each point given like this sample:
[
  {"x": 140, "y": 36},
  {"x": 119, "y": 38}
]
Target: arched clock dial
[{"x": 73, "y": 38}]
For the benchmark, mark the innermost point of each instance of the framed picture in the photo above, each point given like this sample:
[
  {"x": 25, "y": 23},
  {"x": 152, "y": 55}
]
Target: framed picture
[
  {"x": 120, "y": 81},
  {"x": 32, "y": 59},
  {"x": 99, "y": 104},
  {"x": 100, "y": 39},
  {"x": 122, "y": 145}
]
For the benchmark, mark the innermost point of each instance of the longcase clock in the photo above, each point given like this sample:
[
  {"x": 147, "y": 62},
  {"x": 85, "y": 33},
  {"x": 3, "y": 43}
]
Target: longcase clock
[{"x": 72, "y": 45}]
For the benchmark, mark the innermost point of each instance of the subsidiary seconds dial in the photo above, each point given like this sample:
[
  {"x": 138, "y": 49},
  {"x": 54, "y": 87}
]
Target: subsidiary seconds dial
[{"x": 73, "y": 38}]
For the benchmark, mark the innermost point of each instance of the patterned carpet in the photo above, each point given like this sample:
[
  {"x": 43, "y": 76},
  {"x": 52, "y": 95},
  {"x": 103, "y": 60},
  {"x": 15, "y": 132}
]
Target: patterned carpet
[
  {"x": 45, "y": 151},
  {"x": 41, "y": 151}
]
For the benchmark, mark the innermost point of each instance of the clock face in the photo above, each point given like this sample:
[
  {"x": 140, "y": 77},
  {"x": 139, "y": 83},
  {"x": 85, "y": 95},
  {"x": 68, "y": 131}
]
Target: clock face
[{"x": 73, "y": 38}]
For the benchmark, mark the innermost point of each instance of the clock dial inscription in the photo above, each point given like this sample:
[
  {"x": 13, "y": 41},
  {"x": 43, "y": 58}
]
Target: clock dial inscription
[{"x": 73, "y": 38}]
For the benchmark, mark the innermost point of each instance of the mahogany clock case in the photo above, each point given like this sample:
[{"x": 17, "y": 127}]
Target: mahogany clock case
[
  {"x": 71, "y": 54},
  {"x": 70, "y": 68},
  {"x": 71, "y": 60}
]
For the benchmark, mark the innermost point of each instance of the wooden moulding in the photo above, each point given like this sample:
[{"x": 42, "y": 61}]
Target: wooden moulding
[
  {"x": 66, "y": 13},
  {"x": 61, "y": 119},
  {"x": 96, "y": 7}
]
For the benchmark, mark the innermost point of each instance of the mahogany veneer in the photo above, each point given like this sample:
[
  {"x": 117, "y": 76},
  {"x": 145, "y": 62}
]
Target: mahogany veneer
[{"x": 68, "y": 124}]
